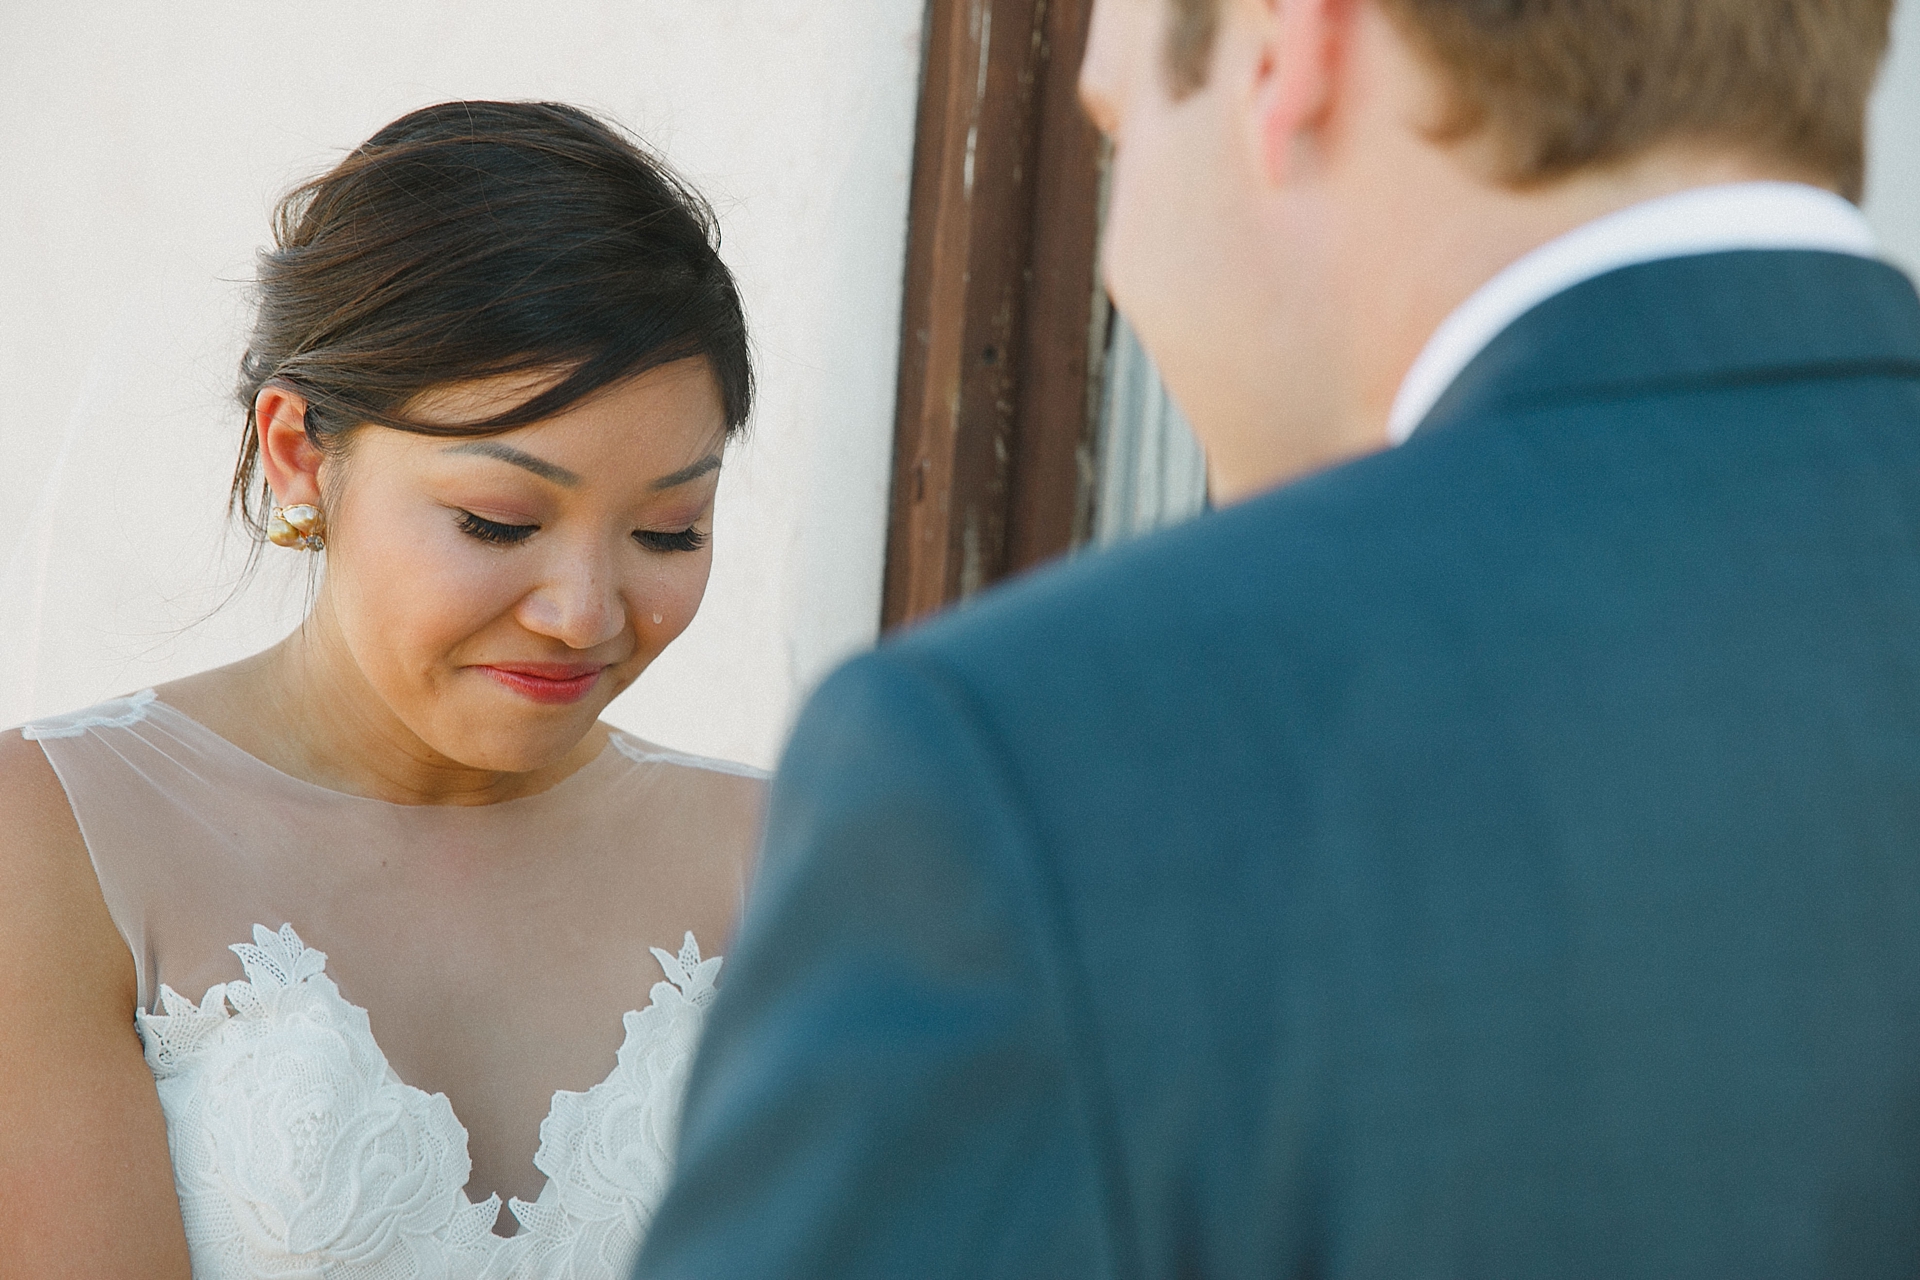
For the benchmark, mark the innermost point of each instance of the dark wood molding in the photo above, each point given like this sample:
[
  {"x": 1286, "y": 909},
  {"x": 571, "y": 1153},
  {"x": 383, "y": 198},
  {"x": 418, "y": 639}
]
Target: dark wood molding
[{"x": 992, "y": 453}]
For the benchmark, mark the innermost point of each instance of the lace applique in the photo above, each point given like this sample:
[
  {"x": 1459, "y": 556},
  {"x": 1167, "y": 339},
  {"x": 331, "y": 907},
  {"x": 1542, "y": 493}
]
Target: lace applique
[
  {"x": 297, "y": 1150},
  {"x": 116, "y": 714},
  {"x": 608, "y": 1152}
]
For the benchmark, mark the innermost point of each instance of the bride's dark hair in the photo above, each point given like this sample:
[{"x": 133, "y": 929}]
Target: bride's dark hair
[{"x": 472, "y": 239}]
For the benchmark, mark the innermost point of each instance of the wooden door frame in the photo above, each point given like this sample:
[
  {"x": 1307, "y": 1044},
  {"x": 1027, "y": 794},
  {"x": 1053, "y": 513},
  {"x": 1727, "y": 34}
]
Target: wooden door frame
[{"x": 1003, "y": 324}]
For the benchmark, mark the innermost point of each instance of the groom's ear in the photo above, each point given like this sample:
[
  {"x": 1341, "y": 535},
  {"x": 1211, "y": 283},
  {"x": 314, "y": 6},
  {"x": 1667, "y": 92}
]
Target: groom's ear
[
  {"x": 289, "y": 459},
  {"x": 1297, "y": 58}
]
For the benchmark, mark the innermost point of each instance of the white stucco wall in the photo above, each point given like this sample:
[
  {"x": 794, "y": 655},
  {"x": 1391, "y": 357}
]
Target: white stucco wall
[
  {"x": 1893, "y": 176},
  {"x": 141, "y": 147}
]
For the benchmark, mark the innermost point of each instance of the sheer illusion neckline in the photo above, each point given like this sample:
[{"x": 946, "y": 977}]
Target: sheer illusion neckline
[
  {"x": 296, "y": 1143},
  {"x": 154, "y": 707}
]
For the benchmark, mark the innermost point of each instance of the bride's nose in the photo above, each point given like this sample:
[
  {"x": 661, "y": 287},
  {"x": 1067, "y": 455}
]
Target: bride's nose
[{"x": 577, "y": 604}]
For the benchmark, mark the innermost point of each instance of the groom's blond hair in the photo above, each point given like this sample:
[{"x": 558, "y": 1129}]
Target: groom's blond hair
[{"x": 1564, "y": 85}]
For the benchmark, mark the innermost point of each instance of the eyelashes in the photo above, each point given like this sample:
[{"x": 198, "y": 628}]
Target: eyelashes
[
  {"x": 508, "y": 535},
  {"x": 684, "y": 540},
  {"x": 500, "y": 535}
]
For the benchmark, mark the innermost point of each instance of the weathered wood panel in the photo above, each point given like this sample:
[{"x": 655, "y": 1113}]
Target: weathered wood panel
[{"x": 991, "y": 467}]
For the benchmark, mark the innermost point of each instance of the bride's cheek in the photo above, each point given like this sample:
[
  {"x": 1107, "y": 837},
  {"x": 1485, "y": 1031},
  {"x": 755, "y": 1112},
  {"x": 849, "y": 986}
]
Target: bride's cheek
[
  {"x": 432, "y": 593},
  {"x": 470, "y": 588},
  {"x": 671, "y": 602}
]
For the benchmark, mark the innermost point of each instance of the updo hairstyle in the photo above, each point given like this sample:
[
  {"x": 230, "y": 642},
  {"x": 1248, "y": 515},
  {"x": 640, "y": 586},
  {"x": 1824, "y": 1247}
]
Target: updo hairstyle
[{"x": 473, "y": 239}]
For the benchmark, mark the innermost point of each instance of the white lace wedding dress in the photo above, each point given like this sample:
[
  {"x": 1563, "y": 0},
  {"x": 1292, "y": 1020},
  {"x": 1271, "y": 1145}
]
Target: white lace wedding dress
[{"x": 298, "y": 1148}]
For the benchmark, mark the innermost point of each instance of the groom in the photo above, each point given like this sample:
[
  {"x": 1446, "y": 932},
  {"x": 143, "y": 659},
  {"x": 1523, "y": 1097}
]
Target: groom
[{"x": 1490, "y": 846}]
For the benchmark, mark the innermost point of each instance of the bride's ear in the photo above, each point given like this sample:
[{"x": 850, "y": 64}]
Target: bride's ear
[{"x": 289, "y": 460}]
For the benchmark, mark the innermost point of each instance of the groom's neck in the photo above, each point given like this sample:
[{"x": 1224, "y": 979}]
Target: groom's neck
[{"x": 1370, "y": 232}]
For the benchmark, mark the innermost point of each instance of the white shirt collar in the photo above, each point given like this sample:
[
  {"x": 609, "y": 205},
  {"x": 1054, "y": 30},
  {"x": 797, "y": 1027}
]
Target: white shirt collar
[{"x": 1746, "y": 215}]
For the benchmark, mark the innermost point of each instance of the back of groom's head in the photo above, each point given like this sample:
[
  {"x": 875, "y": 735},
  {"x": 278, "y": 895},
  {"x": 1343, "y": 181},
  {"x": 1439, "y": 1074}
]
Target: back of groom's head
[
  {"x": 1304, "y": 189},
  {"x": 1561, "y": 85}
]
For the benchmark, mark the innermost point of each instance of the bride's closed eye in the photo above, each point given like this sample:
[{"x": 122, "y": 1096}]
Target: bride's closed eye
[
  {"x": 503, "y": 535},
  {"x": 507, "y": 535},
  {"x": 680, "y": 540}
]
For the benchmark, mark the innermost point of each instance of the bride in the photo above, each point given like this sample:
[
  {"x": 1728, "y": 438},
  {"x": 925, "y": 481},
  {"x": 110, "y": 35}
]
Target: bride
[{"x": 311, "y": 961}]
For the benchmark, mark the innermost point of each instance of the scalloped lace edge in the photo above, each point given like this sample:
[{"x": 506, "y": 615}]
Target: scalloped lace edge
[{"x": 117, "y": 713}]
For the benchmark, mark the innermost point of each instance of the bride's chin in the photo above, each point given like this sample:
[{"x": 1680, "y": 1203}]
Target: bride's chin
[
  {"x": 500, "y": 749},
  {"x": 496, "y": 732}
]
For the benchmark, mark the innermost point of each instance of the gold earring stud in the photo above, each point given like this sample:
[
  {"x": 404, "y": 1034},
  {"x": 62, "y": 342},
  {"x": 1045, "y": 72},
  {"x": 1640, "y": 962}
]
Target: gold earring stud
[{"x": 299, "y": 526}]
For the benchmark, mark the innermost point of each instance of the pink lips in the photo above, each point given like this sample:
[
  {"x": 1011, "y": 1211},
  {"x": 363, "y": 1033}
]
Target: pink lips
[{"x": 551, "y": 683}]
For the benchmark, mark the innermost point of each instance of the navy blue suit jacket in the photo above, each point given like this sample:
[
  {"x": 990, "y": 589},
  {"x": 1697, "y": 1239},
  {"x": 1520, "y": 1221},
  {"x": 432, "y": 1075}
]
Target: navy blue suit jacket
[{"x": 1499, "y": 856}]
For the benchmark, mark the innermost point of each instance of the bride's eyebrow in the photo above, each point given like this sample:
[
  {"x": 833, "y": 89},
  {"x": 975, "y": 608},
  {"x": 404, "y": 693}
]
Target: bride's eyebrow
[
  {"x": 507, "y": 453},
  {"x": 709, "y": 463}
]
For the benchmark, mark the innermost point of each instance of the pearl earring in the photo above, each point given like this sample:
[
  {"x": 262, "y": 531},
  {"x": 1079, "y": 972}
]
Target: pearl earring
[
  {"x": 658, "y": 619},
  {"x": 299, "y": 526}
]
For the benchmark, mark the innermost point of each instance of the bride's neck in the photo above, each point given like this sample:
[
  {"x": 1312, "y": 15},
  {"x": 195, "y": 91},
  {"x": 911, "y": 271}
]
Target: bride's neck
[{"x": 306, "y": 708}]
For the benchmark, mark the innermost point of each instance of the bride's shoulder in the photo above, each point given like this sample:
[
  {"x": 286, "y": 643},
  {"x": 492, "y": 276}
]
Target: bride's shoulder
[
  {"x": 114, "y": 713},
  {"x": 40, "y": 838},
  {"x": 53, "y": 904},
  {"x": 37, "y": 826},
  {"x": 729, "y": 795},
  {"x": 712, "y": 775},
  {"x": 27, "y": 778},
  {"x": 710, "y": 769}
]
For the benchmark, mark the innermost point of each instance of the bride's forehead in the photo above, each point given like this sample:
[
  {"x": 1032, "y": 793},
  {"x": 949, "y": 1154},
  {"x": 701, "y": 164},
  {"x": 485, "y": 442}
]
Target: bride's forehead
[
  {"x": 470, "y": 400},
  {"x": 651, "y": 426},
  {"x": 452, "y": 404}
]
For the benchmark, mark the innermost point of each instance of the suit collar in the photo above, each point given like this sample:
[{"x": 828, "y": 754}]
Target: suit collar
[
  {"x": 1712, "y": 219},
  {"x": 1713, "y": 318}
]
